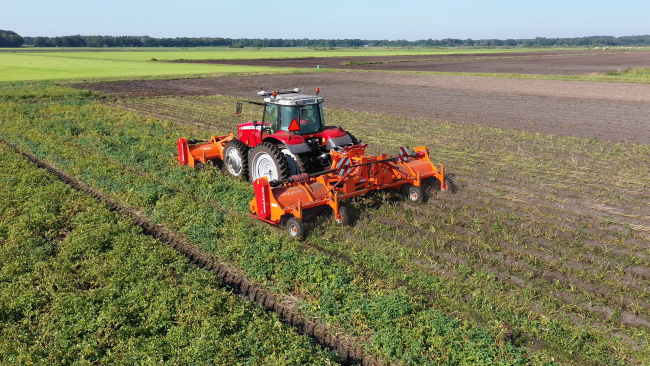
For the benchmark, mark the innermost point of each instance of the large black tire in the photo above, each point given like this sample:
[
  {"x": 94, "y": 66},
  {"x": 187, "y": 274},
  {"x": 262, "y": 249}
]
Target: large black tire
[
  {"x": 266, "y": 159},
  {"x": 296, "y": 228},
  {"x": 235, "y": 159},
  {"x": 304, "y": 163}
]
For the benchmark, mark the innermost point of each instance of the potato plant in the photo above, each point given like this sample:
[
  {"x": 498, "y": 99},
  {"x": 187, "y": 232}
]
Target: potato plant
[{"x": 81, "y": 285}]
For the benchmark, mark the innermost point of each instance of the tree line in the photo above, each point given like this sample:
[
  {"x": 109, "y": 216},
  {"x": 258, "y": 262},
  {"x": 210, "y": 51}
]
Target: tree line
[{"x": 11, "y": 39}]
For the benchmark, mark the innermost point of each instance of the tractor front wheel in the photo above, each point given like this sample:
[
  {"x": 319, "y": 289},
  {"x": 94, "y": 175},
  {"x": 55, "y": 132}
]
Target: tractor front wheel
[
  {"x": 235, "y": 159},
  {"x": 267, "y": 160}
]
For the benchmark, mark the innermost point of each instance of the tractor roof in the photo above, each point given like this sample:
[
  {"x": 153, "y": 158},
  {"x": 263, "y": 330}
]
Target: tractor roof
[
  {"x": 290, "y": 97},
  {"x": 294, "y": 99}
]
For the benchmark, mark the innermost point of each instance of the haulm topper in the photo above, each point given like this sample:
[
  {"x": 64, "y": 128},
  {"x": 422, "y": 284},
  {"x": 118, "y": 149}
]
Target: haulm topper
[
  {"x": 291, "y": 201},
  {"x": 300, "y": 167}
]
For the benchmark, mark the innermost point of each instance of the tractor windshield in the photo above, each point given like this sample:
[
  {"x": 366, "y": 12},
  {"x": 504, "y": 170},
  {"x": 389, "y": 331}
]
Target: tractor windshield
[
  {"x": 310, "y": 119},
  {"x": 279, "y": 118}
]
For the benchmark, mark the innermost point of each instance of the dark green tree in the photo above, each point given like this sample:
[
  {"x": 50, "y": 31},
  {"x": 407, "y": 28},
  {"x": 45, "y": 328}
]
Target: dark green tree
[{"x": 10, "y": 39}]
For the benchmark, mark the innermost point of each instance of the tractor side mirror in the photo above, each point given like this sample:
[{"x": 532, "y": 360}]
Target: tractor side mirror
[{"x": 239, "y": 107}]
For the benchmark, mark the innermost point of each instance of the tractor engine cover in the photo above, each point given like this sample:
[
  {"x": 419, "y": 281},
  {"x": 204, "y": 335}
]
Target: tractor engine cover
[{"x": 334, "y": 137}]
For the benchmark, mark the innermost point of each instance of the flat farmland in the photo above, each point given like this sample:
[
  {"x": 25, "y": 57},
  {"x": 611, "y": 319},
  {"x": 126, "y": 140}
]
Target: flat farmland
[
  {"x": 605, "y": 111},
  {"x": 548, "y": 236},
  {"x": 572, "y": 62}
]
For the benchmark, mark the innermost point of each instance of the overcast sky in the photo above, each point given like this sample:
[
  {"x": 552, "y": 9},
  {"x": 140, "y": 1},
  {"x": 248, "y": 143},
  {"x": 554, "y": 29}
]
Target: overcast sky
[{"x": 332, "y": 19}]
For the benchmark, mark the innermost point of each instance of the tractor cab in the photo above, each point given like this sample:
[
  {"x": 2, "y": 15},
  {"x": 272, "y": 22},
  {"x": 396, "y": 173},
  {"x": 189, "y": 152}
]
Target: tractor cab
[
  {"x": 305, "y": 110},
  {"x": 291, "y": 138}
]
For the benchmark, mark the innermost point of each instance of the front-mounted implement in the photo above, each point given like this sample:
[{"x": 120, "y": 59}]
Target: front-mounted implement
[{"x": 301, "y": 197}]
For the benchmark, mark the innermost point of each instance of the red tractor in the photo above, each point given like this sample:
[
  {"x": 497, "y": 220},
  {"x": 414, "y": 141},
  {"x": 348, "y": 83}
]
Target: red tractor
[{"x": 291, "y": 139}]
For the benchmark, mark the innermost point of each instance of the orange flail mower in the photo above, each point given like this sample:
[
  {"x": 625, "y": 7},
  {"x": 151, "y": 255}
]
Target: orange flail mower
[
  {"x": 197, "y": 153},
  {"x": 300, "y": 197}
]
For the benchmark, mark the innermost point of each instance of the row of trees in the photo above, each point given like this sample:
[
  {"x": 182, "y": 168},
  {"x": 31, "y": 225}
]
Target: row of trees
[
  {"x": 10, "y": 39},
  {"x": 146, "y": 41}
]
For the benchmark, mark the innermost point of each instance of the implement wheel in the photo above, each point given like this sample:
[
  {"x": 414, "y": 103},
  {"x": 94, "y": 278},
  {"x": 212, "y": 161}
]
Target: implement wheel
[
  {"x": 451, "y": 187},
  {"x": 412, "y": 193},
  {"x": 296, "y": 228},
  {"x": 344, "y": 212},
  {"x": 235, "y": 159},
  {"x": 267, "y": 160}
]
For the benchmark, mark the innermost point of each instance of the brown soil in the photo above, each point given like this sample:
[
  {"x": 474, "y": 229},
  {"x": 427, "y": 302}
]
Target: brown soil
[
  {"x": 542, "y": 63},
  {"x": 606, "y": 111}
]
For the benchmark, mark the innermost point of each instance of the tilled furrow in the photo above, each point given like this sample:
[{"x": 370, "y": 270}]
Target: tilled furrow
[{"x": 509, "y": 258}]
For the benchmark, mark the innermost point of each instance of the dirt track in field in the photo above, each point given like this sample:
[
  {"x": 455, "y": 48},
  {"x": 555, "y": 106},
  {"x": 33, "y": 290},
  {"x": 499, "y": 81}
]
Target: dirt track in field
[
  {"x": 542, "y": 63},
  {"x": 605, "y": 111}
]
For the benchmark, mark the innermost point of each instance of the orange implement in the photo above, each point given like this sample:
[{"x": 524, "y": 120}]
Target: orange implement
[
  {"x": 192, "y": 152},
  {"x": 352, "y": 174}
]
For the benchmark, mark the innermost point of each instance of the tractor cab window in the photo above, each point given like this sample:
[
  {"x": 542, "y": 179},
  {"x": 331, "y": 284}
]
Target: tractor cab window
[
  {"x": 270, "y": 117},
  {"x": 309, "y": 116},
  {"x": 287, "y": 114},
  {"x": 310, "y": 119}
]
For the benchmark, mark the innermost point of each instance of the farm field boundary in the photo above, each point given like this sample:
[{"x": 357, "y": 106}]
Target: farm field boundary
[
  {"x": 348, "y": 351},
  {"x": 578, "y": 64}
]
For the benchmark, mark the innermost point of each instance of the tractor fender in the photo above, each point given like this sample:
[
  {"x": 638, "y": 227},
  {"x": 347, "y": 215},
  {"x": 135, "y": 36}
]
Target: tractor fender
[
  {"x": 333, "y": 142},
  {"x": 299, "y": 148}
]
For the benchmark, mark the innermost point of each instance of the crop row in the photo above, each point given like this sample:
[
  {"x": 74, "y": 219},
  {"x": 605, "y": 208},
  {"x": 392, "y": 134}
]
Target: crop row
[
  {"x": 129, "y": 157},
  {"x": 80, "y": 284},
  {"x": 535, "y": 212}
]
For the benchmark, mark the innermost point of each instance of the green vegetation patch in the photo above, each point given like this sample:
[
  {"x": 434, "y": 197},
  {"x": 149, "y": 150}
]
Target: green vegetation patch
[
  {"x": 49, "y": 66},
  {"x": 132, "y": 158},
  {"x": 82, "y": 285},
  {"x": 629, "y": 72},
  {"x": 248, "y": 53}
]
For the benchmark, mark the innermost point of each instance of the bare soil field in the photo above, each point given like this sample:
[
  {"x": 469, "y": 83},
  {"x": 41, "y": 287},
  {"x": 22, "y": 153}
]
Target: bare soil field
[
  {"x": 542, "y": 63},
  {"x": 606, "y": 111}
]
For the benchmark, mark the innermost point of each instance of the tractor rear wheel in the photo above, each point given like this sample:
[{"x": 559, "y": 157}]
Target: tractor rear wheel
[
  {"x": 267, "y": 160},
  {"x": 235, "y": 159},
  {"x": 296, "y": 228}
]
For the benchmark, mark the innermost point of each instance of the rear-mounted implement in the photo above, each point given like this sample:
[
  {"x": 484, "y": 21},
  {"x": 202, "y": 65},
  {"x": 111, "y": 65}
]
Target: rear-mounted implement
[
  {"x": 300, "y": 197},
  {"x": 197, "y": 153}
]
